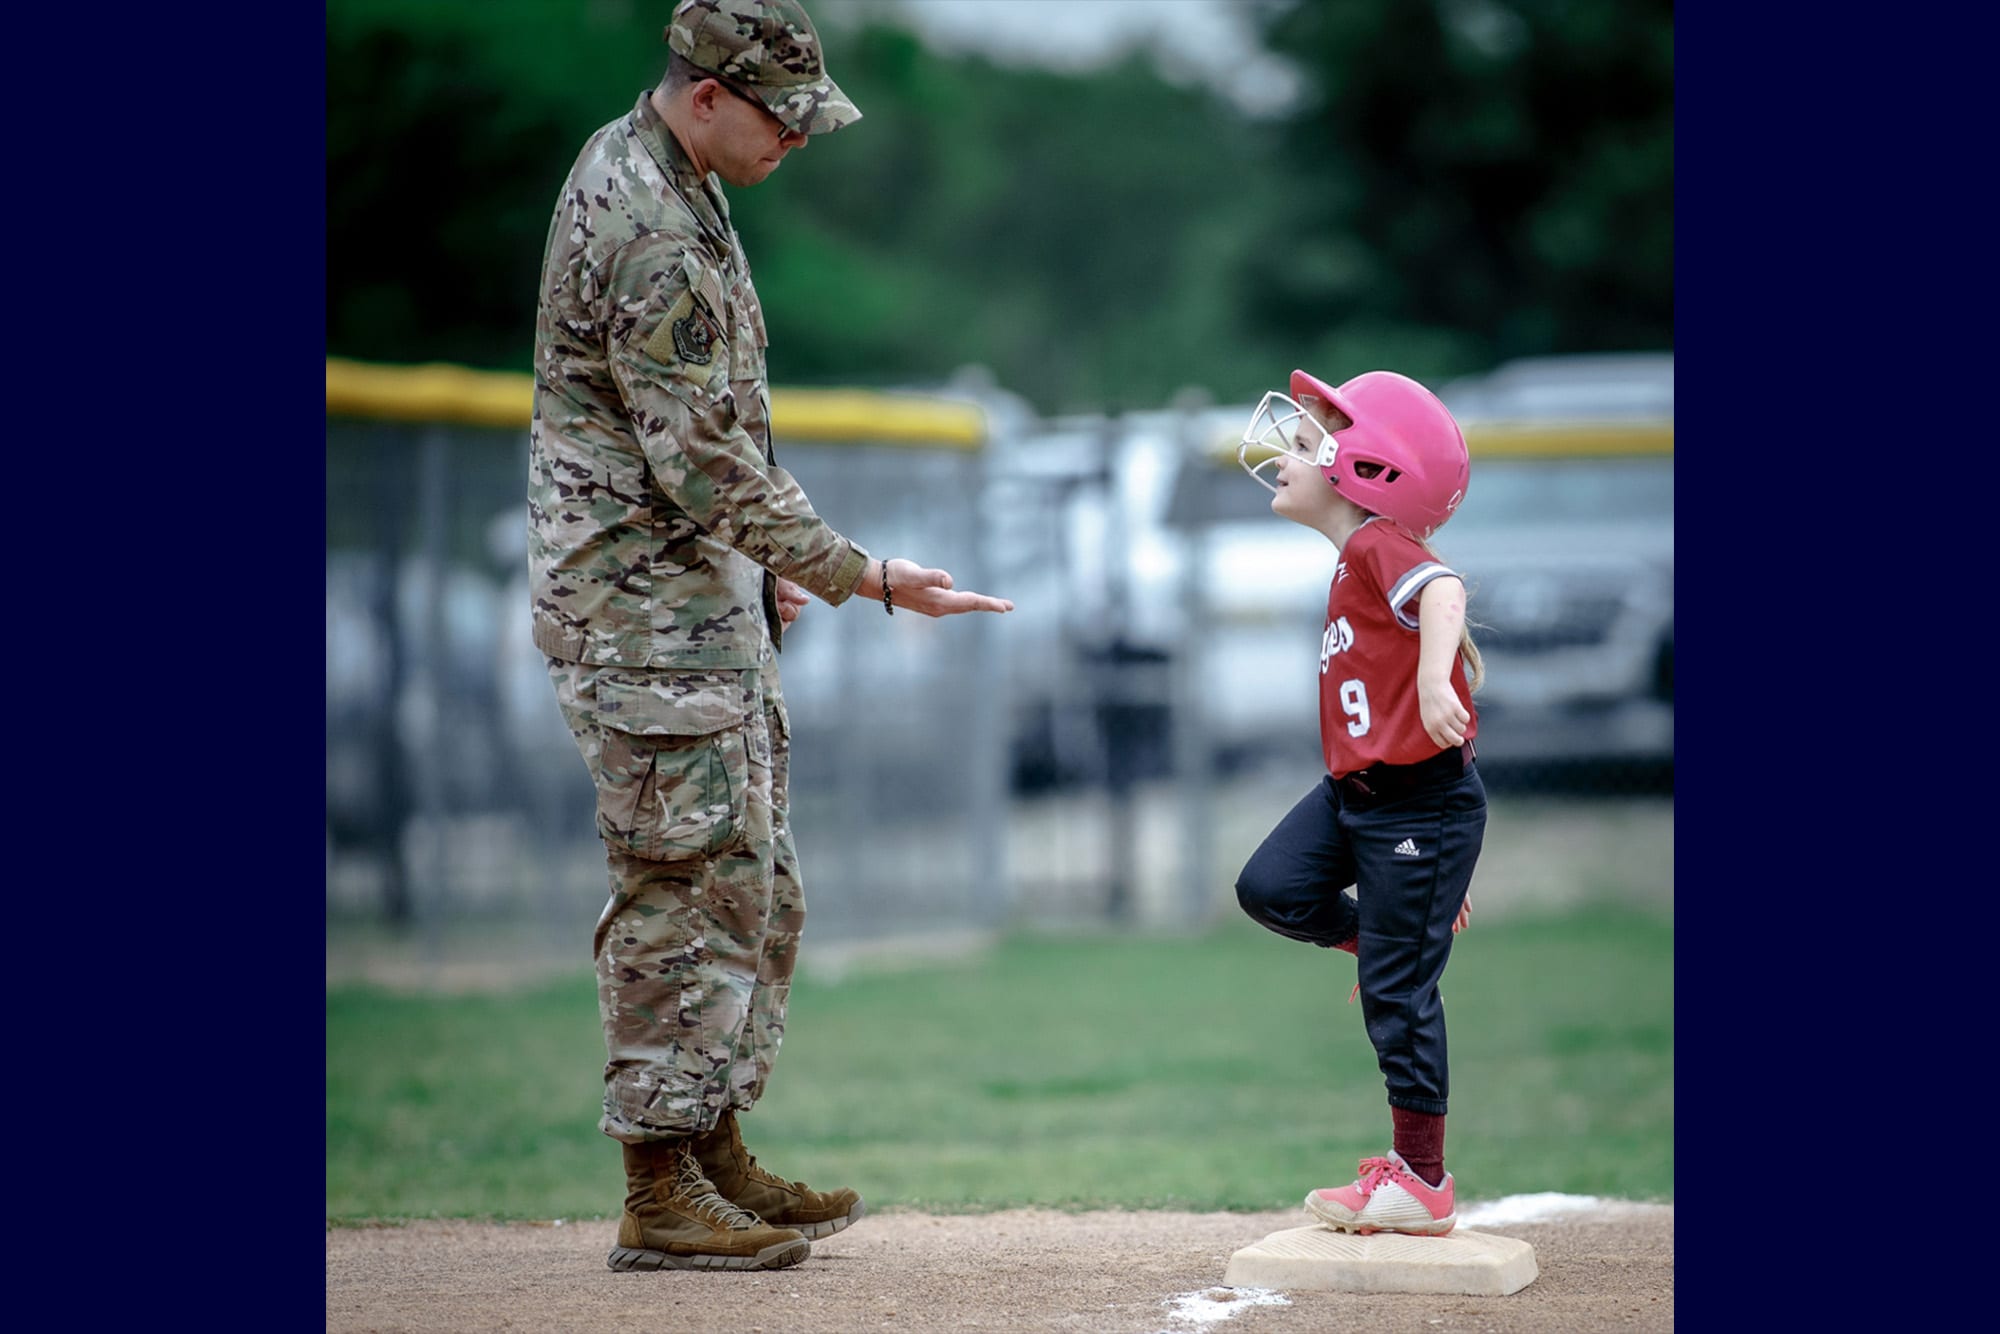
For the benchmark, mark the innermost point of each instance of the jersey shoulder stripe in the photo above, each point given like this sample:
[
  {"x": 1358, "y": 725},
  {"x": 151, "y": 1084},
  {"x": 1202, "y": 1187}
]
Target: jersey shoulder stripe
[{"x": 1410, "y": 585}]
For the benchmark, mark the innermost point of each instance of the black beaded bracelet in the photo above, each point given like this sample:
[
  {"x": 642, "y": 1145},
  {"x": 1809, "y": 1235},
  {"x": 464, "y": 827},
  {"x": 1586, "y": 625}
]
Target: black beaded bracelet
[{"x": 888, "y": 594}]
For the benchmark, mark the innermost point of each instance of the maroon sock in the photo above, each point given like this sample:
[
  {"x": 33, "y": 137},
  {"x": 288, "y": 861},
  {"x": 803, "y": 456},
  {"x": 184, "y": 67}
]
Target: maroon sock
[{"x": 1420, "y": 1141}]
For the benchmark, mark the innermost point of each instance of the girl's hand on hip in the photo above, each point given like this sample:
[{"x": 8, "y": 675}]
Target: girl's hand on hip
[{"x": 1445, "y": 719}]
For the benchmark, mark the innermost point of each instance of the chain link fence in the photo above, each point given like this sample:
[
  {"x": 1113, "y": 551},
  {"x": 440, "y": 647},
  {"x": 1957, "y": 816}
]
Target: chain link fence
[
  {"x": 454, "y": 793},
  {"x": 1110, "y": 752}
]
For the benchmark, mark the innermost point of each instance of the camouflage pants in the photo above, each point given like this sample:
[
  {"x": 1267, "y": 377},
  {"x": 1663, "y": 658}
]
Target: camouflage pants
[{"x": 696, "y": 946}]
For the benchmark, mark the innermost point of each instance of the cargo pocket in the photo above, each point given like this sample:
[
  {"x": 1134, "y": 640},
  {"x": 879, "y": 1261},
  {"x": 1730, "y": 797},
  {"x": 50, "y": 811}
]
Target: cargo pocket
[{"x": 675, "y": 767}]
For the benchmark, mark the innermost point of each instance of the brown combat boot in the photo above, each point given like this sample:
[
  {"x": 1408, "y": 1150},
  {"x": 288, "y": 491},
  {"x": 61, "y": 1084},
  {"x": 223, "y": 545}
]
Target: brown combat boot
[
  {"x": 778, "y": 1202},
  {"x": 674, "y": 1219}
]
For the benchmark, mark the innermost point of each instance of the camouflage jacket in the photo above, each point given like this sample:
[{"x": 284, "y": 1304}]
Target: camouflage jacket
[{"x": 657, "y": 512}]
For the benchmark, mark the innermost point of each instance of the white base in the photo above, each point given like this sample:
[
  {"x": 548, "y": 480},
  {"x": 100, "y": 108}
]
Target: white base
[{"x": 1318, "y": 1259}]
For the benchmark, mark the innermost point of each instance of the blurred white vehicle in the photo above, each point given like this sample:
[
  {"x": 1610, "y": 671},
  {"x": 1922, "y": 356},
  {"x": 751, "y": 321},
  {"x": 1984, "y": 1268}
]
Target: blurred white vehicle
[{"x": 1566, "y": 538}]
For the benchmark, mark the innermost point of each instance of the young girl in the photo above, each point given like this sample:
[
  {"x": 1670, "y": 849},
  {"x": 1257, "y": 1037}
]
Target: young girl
[{"x": 1377, "y": 465}]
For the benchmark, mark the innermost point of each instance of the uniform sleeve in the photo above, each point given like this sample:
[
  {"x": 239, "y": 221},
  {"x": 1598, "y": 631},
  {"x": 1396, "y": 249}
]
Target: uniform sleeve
[
  {"x": 1400, "y": 567},
  {"x": 667, "y": 344}
]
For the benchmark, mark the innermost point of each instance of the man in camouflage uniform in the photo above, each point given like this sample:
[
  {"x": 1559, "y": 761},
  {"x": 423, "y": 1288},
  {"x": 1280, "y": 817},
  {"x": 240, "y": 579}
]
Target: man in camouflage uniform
[{"x": 668, "y": 550}]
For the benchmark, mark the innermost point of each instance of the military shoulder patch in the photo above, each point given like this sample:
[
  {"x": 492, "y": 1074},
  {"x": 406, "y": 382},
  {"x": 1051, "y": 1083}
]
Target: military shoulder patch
[
  {"x": 684, "y": 334},
  {"x": 693, "y": 339},
  {"x": 689, "y": 332}
]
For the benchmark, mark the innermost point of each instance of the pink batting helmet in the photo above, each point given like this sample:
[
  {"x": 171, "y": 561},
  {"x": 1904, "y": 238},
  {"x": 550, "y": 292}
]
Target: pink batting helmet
[{"x": 1421, "y": 463}]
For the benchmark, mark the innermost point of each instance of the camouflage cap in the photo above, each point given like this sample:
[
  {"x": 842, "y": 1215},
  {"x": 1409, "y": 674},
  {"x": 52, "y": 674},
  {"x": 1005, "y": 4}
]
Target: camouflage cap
[{"x": 768, "y": 47}]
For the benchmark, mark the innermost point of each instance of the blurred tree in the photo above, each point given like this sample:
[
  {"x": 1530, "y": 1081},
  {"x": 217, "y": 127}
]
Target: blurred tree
[
  {"x": 434, "y": 240},
  {"x": 1075, "y": 233},
  {"x": 1466, "y": 180},
  {"x": 1475, "y": 180}
]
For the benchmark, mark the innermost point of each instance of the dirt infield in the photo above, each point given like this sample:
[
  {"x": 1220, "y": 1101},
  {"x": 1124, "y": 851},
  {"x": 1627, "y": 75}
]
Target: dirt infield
[{"x": 1611, "y": 1268}]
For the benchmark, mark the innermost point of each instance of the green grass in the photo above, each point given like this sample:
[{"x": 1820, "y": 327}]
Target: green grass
[{"x": 1224, "y": 1072}]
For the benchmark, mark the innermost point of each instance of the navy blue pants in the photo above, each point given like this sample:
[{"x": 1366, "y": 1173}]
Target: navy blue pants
[{"x": 1409, "y": 857}]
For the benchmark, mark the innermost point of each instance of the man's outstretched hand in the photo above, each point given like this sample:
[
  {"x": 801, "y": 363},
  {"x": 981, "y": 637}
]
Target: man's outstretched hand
[{"x": 928, "y": 592}]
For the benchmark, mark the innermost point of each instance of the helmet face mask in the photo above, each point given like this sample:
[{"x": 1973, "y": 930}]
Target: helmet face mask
[{"x": 1279, "y": 427}]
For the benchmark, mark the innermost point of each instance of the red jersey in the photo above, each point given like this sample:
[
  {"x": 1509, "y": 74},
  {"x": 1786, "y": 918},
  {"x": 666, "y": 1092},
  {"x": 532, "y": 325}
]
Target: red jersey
[{"x": 1368, "y": 710}]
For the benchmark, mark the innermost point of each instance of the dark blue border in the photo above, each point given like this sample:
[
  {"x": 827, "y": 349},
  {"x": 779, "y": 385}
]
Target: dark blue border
[
  {"x": 165, "y": 506},
  {"x": 1834, "y": 309},
  {"x": 215, "y": 422}
]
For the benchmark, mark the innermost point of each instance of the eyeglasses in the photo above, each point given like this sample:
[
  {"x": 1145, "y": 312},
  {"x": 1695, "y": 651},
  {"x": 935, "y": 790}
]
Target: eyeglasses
[
  {"x": 754, "y": 101},
  {"x": 732, "y": 88}
]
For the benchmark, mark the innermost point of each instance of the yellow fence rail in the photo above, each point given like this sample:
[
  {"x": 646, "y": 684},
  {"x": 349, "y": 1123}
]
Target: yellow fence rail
[
  {"x": 439, "y": 392},
  {"x": 1567, "y": 440},
  {"x": 1542, "y": 440}
]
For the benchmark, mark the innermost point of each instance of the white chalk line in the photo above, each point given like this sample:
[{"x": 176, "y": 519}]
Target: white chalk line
[
  {"x": 1540, "y": 1207},
  {"x": 1210, "y": 1306}
]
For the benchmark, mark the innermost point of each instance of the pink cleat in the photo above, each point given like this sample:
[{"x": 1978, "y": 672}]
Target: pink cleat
[{"x": 1388, "y": 1197}]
